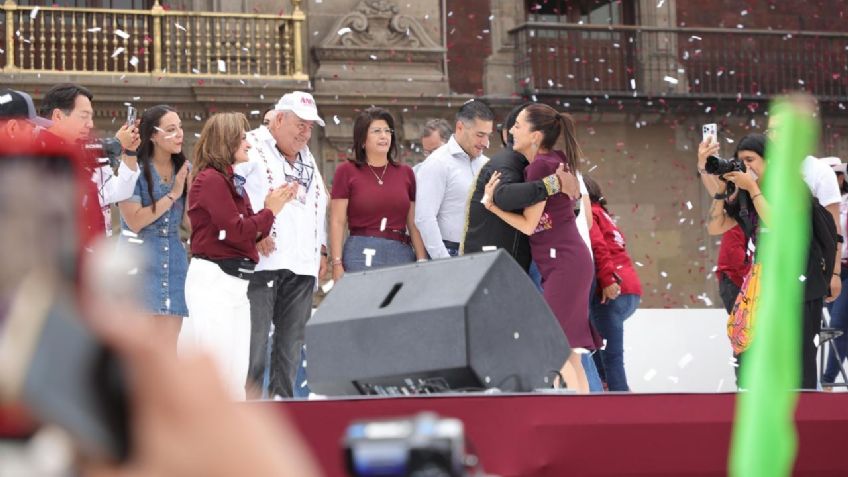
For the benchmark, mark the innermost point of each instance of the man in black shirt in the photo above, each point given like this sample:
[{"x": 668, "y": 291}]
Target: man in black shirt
[{"x": 483, "y": 228}]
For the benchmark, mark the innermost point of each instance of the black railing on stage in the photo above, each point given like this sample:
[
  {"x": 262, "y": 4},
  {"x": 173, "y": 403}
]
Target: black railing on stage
[{"x": 572, "y": 59}]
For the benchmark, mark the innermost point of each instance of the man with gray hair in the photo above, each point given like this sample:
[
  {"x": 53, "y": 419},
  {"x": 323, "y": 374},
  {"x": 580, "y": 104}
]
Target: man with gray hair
[
  {"x": 444, "y": 180},
  {"x": 434, "y": 134},
  {"x": 294, "y": 255}
]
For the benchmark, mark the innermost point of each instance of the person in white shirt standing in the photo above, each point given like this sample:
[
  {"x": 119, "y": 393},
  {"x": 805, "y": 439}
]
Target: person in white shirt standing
[
  {"x": 294, "y": 255},
  {"x": 445, "y": 178}
]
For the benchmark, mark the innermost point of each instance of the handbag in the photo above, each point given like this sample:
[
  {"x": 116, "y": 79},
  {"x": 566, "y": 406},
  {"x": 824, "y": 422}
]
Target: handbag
[{"x": 740, "y": 323}]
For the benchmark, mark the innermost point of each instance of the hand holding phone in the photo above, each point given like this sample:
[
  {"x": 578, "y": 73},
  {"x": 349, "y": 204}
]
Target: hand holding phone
[
  {"x": 131, "y": 115},
  {"x": 710, "y": 133}
]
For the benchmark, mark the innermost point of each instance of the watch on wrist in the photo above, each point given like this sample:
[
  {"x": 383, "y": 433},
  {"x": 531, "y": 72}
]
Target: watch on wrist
[
  {"x": 127, "y": 152},
  {"x": 720, "y": 196}
]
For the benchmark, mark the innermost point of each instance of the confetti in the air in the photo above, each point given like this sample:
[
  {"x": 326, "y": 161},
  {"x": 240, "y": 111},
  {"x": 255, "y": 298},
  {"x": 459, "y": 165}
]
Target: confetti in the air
[
  {"x": 34, "y": 13},
  {"x": 651, "y": 374},
  {"x": 117, "y": 52},
  {"x": 689, "y": 204},
  {"x": 553, "y": 253},
  {"x": 222, "y": 66},
  {"x": 179, "y": 26},
  {"x": 685, "y": 360},
  {"x": 222, "y": 234},
  {"x": 134, "y": 61},
  {"x": 369, "y": 254},
  {"x": 383, "y": 224},
  {"x": 122, "y": 34},
  {"x": 343, "y": 31},
  {"x": 489, "y": 248},
  {"x": 670, "y": 80},
  {"x": 327, "y": 286}
]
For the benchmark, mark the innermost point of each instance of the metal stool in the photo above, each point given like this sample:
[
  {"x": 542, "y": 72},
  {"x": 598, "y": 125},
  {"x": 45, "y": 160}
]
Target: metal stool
[{"x": 829, "y": 335}]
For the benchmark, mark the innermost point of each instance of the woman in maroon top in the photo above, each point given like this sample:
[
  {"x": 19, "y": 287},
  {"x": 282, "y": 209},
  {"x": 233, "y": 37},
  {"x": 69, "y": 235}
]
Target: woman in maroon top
[
  {"x": 375, "y": 197},
  {"x": 619, "y": 288},
  {"x": 224, "y": 232},
  {"x": 546, "y": 138}
]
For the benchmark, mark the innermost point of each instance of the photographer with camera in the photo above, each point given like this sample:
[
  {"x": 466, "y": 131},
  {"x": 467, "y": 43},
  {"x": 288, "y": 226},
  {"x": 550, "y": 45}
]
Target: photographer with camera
[
  {"x": 741, "y": 202},
  {"x": 69, "y": 107},
  {"x": 732, "y": 265}
]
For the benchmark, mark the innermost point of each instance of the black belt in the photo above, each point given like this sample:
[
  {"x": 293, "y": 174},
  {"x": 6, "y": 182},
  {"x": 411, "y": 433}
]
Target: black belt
[
  {"x": 237, "y": 267},
  {"x": 450, "y": 244}
]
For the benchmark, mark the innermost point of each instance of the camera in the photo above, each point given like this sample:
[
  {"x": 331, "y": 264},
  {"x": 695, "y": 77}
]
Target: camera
[
  {"x": 424, "y": 445},
  {"x": 718, "y": 167},
  {"x": 104, "y": 152}
]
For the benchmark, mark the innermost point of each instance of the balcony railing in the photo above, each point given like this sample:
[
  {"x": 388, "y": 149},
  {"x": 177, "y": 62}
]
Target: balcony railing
[
  {"x": 155, "y": 42},
  {"x": 709, "y": 63}
]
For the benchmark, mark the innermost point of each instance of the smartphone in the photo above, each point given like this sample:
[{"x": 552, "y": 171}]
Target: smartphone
[
  {"x": 131, "y": 115},
  {"x": 710, "y": 130},
  {"x": 49, "y": 361}
]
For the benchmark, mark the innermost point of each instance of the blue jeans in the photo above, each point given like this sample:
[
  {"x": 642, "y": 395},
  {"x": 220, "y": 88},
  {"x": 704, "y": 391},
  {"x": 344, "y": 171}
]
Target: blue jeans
[
  {"x": 387, "y": 253},
  {"x": 838, "y": 319},
  {"x": 609, "y": 319}
]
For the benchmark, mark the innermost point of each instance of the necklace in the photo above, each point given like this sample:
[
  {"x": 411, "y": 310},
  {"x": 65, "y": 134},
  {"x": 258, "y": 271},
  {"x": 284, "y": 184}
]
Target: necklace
[{"x": 380, "y": 177}]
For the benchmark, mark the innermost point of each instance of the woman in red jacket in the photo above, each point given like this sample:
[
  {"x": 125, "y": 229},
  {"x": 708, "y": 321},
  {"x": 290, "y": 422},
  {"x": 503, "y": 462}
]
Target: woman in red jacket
[{"x": 619, "y": 288}]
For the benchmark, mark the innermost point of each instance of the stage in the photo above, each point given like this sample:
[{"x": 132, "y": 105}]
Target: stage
[{"x": 611, "y": 434}]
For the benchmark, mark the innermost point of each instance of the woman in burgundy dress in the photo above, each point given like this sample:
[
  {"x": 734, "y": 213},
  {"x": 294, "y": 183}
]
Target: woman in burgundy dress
[{"x": 546, "y": 138}]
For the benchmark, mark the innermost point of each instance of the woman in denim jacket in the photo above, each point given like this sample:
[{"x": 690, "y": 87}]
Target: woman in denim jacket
[{"x": 151, "y": 218}]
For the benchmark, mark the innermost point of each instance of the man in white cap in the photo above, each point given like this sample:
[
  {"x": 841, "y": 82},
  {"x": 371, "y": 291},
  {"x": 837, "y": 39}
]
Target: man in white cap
[{"x": 294, "y": 255}]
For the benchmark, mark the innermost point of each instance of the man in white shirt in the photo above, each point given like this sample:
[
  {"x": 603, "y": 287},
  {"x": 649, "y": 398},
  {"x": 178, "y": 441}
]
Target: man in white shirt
[
  {"x": 444, "y": 180},
  {"x": 68, "y": 107},
  {"x": 294, "y": 255}
]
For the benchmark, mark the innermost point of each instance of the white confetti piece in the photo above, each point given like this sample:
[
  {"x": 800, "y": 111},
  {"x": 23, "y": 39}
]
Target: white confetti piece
[
  {"x": 255, "y": 112},
  {"x": 222, "y": 66},
  {"x": 271, "y": 284},
  {"x": 327, "y": 286},
  {"x": 373, "y": 57},
  {"x": 34, "y": 13},
  {"x": 5, "y": 98},
  {"x": 134, "y": 271},
  {"x": 689, "y": 205},
  {"x": 670, "y": 80},
  {"x": 489, "y": 248},
  {"x": 663, "y": 274},
  {"x": 135, "y": 241},
  {"x": 639, "y": 264},
  {"x": 179, "y": 26},
  {"x": 580, "y": 350},
  {"x": 383, "y": 224},
  {"x": 222, "y": 234},
  {"x": 117, "y": 52},
  {"x": 134, "y": 61},
  {"x": 369, "y": 254},
  {"x": 122, "y": 34},
  {"x": 633, "y": 84},
  {"x": 802, "y": 278},
  {"x": 553, "y": 253},
  {"x": 128, "y": 233},
  {"x": 515, "y": 335},
  {"x": 94, "y": 30},
  {"x": 336, "y": 120},
  {"x": 651, "y": 374},
  {"x": 685, "y": 360},
  {"x": 343, "y": 31},
  {"x": 303, "y": 384}
]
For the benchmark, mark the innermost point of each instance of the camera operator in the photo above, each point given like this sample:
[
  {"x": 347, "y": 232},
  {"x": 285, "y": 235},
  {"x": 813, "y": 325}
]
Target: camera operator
[{"x": 69, "y": 107}]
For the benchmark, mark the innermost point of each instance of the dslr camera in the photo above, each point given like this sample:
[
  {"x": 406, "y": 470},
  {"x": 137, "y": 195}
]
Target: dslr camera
[
  {"x": 421, "y": 446},
  {"x": 718, "y": 167},
  {"x": 104, "y": 152}
]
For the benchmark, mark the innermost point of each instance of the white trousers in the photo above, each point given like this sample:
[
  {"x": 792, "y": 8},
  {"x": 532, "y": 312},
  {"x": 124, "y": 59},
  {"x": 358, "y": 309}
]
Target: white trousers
[{"x": 218, "y": 321}]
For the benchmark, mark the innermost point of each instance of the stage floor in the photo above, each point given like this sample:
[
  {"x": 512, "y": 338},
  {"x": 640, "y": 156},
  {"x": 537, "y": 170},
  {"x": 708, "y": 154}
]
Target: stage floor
[{"x": 565, "y": 435}]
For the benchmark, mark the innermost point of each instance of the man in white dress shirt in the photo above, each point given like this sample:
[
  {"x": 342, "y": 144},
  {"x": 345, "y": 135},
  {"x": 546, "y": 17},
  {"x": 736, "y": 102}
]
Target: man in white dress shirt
[
  {"x": 294, "y": 255},
  {"x": 444, "y": 180}
]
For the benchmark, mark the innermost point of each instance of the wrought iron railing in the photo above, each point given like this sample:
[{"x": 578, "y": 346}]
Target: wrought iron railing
[
  {"x": 704, "y": 62},
  {"x": 154, "y": 42}
]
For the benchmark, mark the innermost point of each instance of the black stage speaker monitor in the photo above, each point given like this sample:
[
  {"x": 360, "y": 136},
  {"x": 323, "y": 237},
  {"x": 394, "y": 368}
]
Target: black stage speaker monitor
[{"x": 464, "y": 323}]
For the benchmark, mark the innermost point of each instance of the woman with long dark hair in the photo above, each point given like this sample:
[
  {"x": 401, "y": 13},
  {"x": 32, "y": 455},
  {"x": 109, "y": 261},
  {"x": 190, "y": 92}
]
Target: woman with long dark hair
[
  {"x": 374, "y": 196},
  {"x": 224, "y": 232},
  {"x": 151, "y": 218},
  {"x": 619, "y": 290},
  {"x": 546, "y": 138}
]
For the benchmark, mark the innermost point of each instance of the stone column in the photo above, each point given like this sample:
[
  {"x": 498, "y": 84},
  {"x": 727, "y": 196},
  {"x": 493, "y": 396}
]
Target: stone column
[
  {"x": 658, "y": 53},
  {"x": 499, "y": 72}
]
